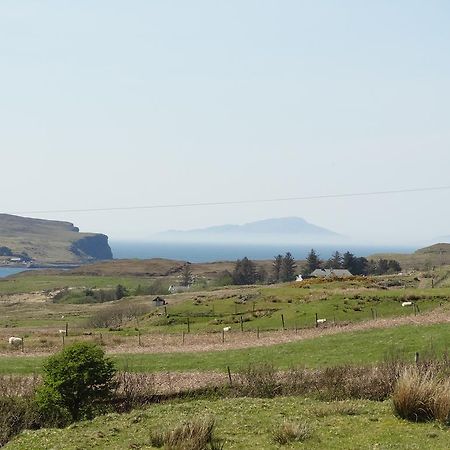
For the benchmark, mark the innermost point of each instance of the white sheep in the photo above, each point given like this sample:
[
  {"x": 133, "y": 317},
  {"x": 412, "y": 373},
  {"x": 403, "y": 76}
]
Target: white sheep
[
  {"x": 407, "y": 303},
  {"x": 62, "y": 331},
  {"x": 321, "y": 320},
  {"x": 227, "y": 329},
  {"x": 15, "y": 341}
]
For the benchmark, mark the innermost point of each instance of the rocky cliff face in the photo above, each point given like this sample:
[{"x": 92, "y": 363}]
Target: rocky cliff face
[{"x": 94, "y": 247}]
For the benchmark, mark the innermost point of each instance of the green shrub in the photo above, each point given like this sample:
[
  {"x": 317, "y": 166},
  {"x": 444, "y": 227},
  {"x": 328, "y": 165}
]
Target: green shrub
[{"x": 76, "y": 382}]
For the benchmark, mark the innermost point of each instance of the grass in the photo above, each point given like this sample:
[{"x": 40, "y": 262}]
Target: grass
[
  {"x": 362, "y": 347},
  {"x": 243, "y": 423}
]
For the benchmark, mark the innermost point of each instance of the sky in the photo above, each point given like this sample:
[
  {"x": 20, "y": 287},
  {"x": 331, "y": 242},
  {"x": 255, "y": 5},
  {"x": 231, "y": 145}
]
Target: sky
[{"x": 107, "y": 104}]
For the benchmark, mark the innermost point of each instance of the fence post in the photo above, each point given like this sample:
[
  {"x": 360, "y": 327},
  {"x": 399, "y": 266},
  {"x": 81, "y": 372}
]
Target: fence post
[
  {"x": 282, "y": 321},
  {"x": 229, "y": 375},
  {"x": 67, "y": 329},
  {"x": 416, "y": 357},
  {"x": 22, "y": 345},
  {"x": 139, "y": 337},
  {"x": 188, "y": 325},
  {"x": 223, "y": 336},
  {"x": 242, "y": 324},
  {"x": 317, "y": 318},
  {"x": 257, "y": 333},
  {"x": 62, "y": 335},
  {"x": 182, "y": 336}
]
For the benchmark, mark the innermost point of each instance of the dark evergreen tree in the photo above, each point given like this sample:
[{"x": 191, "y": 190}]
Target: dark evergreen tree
[
  {"x": 394, "y": 266},
  {"x": 277, "y": 263},
  {"x": 244, "y": 272},
  {"x": 335, "y": 262},
  {"x": 186, "y": 275},
  {"x": 313, "y": 262},
  {"x": 288, "y": 266}
]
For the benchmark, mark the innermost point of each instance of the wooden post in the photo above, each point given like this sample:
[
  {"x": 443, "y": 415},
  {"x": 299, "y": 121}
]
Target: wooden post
[
  {"x": 257, "y": 333},
  {"x": 101, "y": 339},
  {"x": 242, "y": 324},
  {"x": 415, "y": 309},
  {"x": 182, "y": 336},
  {"x": 67, "y": 329},
  {"x": 282, "y": 321},
  {"x": 296, "y": 328},
  {"x": 334, "y": 321},
  {"x": 416, "y": 358},
  {"x": 317, "y": 318},
  {"x": 373, "y": 313},
  {"x": 229, "y": 375},
  {"x": 139, "y": 337},
  {"x": 21, "y": 344},
  {"x": 188, "y": 325},
  {"x": 223, "y": 336},
  {"x": 62, "y": 335},
  {"x": 165, "y": 310}
]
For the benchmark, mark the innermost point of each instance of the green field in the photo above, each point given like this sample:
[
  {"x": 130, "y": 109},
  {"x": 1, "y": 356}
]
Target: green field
[
  {"x": 245, "y": 423},
  {"x": 363, "y": 347}
]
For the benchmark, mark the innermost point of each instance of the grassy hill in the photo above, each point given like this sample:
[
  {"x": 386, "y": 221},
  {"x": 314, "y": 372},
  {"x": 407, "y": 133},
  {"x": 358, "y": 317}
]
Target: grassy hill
[
  {"x": 50, "y": 241},
  {"x": 423, "y": 259}
]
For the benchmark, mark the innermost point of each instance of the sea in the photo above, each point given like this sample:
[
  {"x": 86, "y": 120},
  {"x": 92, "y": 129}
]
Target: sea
[
  {"x": 202, "y": 252},
  {"x": 7, "y": 271}
]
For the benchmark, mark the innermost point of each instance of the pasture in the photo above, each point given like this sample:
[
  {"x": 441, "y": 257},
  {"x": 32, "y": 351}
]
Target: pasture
[
  {"x": 244, "y": 423},
  {"x": 365, "y": 324}
]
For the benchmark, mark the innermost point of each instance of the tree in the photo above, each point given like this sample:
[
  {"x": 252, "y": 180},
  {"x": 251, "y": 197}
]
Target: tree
[
  {"x": 186, "y": 275},
  {"x": 394, "y": 266},
  {"x": 121, "y": 291},
  {"x": 244, "y": 272},
  {"x": 288, "y": 266},
  {"x": 313, "y": 262},
  {"x": 335, "y": 262},
  {"x": 75, "y": 381},
  {"x": 277, "y": 263}
]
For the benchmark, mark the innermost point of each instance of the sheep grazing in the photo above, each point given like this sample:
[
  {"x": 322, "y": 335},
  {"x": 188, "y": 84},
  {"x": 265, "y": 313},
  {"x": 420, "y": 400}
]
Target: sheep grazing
[
  {"x": 62, "y": 331},
  {"x": 227, "y": 329},
  {"x": 407, "y": 303},
  {"x": 321, "y": 320},
  {"x": 15, "y": 341}
]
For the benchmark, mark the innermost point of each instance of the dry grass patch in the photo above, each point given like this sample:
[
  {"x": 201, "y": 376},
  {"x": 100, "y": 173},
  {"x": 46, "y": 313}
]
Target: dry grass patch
[
  {"x": 420, "y": 396},
  {"x": 289, "y": 432}
]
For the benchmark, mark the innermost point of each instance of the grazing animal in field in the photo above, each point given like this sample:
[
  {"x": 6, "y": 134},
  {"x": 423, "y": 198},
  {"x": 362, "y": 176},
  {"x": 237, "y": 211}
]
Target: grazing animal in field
[
  {"x": 13, "y": 340},
  {"x": 227, "y": 329},
  {"x": 62, "y": 331},
  {"x": 321, "y": 320},
  {"x": 407, "y": 303}
]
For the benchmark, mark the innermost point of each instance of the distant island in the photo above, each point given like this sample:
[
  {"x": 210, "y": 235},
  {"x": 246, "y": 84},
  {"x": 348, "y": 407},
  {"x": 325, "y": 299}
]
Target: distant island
[
  {"x": 39, "y": 242},
  {"x": 285, "y": 228}
]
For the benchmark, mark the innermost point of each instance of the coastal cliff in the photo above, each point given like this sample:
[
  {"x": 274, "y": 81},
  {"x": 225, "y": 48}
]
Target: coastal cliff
[{"x": 38, "y": 241}]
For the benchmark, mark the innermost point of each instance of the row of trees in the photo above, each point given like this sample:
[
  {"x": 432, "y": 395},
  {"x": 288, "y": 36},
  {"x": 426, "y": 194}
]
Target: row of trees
[
  {"x": 355, "y": 265},
  {"x": 284, "y": 267}
]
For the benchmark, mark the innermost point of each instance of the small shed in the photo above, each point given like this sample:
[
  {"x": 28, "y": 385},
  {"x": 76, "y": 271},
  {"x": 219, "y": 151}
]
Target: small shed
[{"x": 159, "y": 301}]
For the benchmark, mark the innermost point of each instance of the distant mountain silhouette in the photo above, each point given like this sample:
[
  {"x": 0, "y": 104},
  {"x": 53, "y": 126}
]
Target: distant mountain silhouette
[{"x": 286, "y": 227}]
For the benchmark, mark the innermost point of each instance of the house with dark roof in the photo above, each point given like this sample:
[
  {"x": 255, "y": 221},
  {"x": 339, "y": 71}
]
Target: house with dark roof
[{"x": 331, "y": 273}]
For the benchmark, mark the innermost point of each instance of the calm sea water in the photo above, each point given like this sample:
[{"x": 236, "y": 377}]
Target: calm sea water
[
  {"x": 231, "y": 252},
  {"x": 7, "y": 271}
]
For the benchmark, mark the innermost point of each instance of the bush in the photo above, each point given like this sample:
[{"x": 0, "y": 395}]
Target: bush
[
  {"x": 75, "y": 383},
  {"x": 259, "y": 380},
  {"x": 16, "y": 414},
  {"x": 420, "y": 396}
]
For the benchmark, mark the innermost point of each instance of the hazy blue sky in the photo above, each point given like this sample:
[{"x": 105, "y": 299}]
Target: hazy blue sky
[{"x": 122, "y": 103}]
